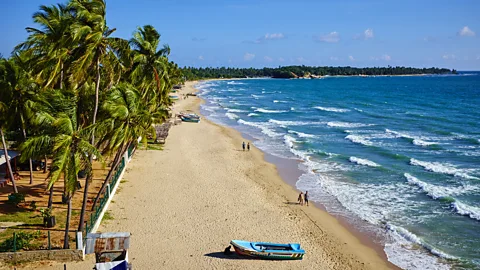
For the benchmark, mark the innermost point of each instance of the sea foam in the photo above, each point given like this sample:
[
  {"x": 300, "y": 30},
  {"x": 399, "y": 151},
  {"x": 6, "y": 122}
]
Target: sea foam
[
  {"x": 359, "y": 139},
  {"x": 466, "y": 210},
  {"x": 301, "y": 134},
  {"x": 262, "y": 126},
  {"x": 232, "y": 116},
  {"x": 269, "y": 111},
  {"x": 444, "y": 168},
  {"x": 236, "y": 111},
  {"x": 331, "y": 109},
  {"x": 364, "y": 162},
  {"x": 348, "y": 125}
]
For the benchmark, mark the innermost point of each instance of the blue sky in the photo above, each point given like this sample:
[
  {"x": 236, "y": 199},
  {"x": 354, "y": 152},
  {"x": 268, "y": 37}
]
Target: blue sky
[{"x": 270, "y": 33}]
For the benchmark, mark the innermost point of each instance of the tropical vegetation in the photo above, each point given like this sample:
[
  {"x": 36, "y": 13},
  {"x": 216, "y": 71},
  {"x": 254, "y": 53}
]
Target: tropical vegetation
[
  {"x": 74, "y": 93},
  {"x": 192, "y": 73}
]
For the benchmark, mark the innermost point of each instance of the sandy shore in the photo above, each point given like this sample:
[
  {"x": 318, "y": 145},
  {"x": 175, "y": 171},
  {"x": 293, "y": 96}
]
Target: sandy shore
[{"x": 184, "y": 204}]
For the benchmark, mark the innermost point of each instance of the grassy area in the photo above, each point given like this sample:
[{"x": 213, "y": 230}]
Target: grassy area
[
  {"x": 107, "y": 216},
  {"x": 24, "y": 216}
]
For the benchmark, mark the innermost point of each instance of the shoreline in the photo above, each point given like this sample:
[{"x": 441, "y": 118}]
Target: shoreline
[
  {"x": 290, "y": 176},
  {"x": 184, "y": 204}
]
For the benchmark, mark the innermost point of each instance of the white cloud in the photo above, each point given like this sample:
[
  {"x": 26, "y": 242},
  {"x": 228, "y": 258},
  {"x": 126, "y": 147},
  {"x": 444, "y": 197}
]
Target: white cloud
[
  {"x": 368, "y": 33},
  {"x": 267, "y": 58},
  {"x": 449, "y": 57},
  {"x": 281, "y": 59},
  {"x": 386, "y": 57},
  {"x": 330, "y": 38},
  {"x": 333, "y": 58},
  {"x": 466, "y": 32},
  {"x": 351, "y": 58},
  {"x": 267, "y": 37},
  {"x": 248, "y": 56},
  {"x": 200, "y": 57},
  {"x": 274, "y": 36}
]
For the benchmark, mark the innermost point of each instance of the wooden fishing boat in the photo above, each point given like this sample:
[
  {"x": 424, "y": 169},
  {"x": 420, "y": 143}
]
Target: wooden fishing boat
[
  {"x": 269, "y": 251},
  {"x": 187, "y": 118}
]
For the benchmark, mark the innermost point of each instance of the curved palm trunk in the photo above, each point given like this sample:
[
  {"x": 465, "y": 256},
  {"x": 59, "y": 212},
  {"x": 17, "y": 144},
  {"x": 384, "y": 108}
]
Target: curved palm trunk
[
  {"x": 90, "y": 174},
  {"x": 89, "y": 178},
  {"x": 50, "y": 197},
  {"x": 29, "y": 160},
  {"x": 66, "y": 244},
  {"x": 157, "y": 78},
  {"x": 9, "y": 166},
  {"x": 45, "y": 168},
  {"x": 116, "y": 162}
]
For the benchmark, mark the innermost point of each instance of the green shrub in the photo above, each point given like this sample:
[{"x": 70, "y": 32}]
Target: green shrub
[
  {"x": 23, "y": 241},
  {"x": 16, "y": 198}
]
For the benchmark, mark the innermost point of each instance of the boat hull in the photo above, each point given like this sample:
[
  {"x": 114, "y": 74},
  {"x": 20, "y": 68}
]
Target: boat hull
[
  {"x": 188, "y": 119},
  {"x": 244, "y": 248}
]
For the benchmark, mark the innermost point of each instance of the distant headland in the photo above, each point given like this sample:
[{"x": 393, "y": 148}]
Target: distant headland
[{"x": 307, "y": 72}]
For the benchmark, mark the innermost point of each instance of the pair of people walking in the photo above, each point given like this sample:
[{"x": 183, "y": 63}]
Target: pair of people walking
[
  {"x": 303, "y": 198},
  {"x": 248, "y": 146}
]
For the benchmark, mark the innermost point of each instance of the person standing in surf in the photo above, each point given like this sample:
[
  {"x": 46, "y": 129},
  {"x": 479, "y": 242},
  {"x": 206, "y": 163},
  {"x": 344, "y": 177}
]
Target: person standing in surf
[
  {"x": 248, "y": 146},
  {"x": 243, "y": 146},
  {"x": 300, "y": 198},
  {"x": 305, "y": 198}
]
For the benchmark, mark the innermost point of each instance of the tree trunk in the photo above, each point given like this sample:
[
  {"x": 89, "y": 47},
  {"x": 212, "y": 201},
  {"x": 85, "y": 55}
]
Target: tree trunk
[
  {"x": 90, "y": 174},
  {"x": 46, "y": 162},
  {"x": 66, "y": 244},
  {"x": 157, "y": 78},
  {"x": 25, "y": 137},
  {"x": 9, "y": 166},
  {"x": 50, "y": 197},
  {"x": 116, "y": 162},
  {"x": 85, "y": 198}
]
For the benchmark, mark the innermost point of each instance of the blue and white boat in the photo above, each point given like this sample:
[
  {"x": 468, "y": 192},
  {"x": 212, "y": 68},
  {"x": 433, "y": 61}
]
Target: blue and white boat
[{"x": 269, "y": 251}]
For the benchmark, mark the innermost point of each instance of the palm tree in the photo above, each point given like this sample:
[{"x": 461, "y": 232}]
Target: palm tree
[
  {"x": 50, "y": 45},
  {"x": 5, "y": 98},
  {"x": 17, "y": 80},
  {"x": 128, "y": 118},
  {"x": 149, "y": 63},
  {"x": 97, "y": 49},
  {"x": 71, "y": 148}
]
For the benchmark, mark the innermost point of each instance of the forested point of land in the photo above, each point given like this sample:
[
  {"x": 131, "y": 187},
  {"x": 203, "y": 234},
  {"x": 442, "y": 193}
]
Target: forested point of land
[{"x": 192, "y": 73}]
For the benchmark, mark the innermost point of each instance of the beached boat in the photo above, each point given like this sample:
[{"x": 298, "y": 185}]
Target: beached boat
[
  {"x": 269, "y": 251},
  {"x": 189, "y": 116}
]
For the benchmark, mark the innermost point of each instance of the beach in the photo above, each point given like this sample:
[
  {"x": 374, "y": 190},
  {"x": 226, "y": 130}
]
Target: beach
[{"x": 183, "y": 206}]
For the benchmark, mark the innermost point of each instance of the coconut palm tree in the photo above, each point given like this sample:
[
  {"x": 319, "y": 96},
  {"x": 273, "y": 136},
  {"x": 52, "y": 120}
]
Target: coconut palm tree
[
  {"x": 16, "y": 79},
  {"x": 5, "y": 117},
  {"x": 50, "y": 45},
  {"x": 71, "y": 147},
  {"x": 149, "y": 63},
  {"x": 91, "y": 32},
  {"x": 128, "y": 117}
]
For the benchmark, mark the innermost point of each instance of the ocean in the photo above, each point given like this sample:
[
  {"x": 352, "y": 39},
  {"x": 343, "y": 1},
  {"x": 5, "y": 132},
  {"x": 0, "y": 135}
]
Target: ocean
[{"x": 398, "y": 157}]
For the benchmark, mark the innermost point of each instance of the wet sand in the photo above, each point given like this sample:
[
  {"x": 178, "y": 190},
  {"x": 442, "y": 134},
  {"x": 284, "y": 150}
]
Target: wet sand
[{"x": 184, "y": 204}]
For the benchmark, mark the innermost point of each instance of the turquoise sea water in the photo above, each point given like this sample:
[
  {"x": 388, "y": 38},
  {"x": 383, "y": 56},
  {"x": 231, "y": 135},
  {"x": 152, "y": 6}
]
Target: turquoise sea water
[{"x": 397, "y": 156}]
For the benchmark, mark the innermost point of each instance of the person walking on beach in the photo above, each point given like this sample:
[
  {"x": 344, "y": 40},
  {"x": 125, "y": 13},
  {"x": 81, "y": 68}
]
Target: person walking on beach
[
  {"x": 306, "y": 198},
  {"x": 243, "y": 146},
  {"x": 248, "y": 146},
  {"x": 300, "y": 198}
]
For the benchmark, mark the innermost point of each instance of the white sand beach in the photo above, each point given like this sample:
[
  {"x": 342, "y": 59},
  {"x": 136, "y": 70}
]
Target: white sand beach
[{"x": 184, "y": 204}]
